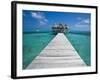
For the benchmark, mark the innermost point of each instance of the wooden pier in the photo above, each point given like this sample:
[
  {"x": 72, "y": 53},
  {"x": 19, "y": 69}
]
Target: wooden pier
[{"x": 58, "y": 53}]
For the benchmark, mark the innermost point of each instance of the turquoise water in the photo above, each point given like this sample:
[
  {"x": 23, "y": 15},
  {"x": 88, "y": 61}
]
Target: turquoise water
[
  {"x": 81, "y": 43},
  {"x": 33, "y": 43}
]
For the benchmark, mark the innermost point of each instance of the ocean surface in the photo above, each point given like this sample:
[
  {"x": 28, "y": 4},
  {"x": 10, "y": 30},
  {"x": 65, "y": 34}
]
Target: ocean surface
[
  {"x": 34, "y": 43},
  {"x": 82, "y": 44}
]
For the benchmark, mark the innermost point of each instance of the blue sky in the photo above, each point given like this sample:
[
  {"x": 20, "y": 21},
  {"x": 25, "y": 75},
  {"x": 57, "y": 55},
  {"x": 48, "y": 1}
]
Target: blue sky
[{"x": 44, "y": 20}]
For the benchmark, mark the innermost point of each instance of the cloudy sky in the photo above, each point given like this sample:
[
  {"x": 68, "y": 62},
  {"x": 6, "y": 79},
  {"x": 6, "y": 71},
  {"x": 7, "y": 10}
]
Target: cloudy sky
[{"x": 44, "y": 20}]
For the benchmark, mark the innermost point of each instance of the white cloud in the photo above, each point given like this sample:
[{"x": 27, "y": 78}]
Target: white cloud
[
  {"x": 37, "y": 15},
  {"x": 87, "y": 21},
  {"x": 40, "y": 17},
  {"x": 79, "y": 18},
  {"x": 83, "y": 23},
  {"x": 42, "y": 23},
  {"x": 45, "y": 20}
]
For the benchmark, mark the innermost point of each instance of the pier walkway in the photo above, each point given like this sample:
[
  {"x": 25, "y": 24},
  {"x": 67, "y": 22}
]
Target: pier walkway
[{"x": 58, "y": 53}]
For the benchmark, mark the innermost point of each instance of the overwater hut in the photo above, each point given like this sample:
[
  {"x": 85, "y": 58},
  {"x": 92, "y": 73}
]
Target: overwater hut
[{"x": 59, "y": 28}]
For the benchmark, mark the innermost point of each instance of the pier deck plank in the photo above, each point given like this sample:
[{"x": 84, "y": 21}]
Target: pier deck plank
[{"x": 58, "y": 53}]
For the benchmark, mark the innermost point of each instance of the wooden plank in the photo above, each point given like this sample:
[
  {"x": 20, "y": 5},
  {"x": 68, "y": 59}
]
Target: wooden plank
[{"x": 58, "y": 53}]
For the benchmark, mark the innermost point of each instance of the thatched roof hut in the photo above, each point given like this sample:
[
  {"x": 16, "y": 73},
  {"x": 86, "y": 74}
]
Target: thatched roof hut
[{"x": 60, "y": 28}]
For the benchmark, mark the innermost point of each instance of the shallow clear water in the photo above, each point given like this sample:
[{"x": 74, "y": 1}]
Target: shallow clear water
[
  {"x": 33, "y": 43},
  {"x": 81, "y": 43}
]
